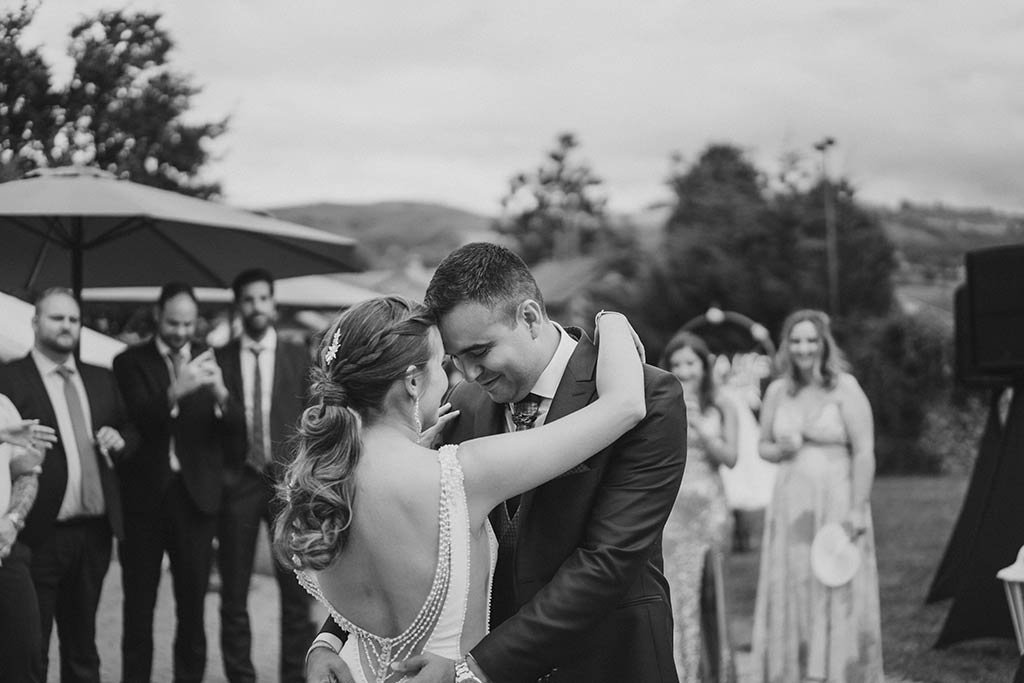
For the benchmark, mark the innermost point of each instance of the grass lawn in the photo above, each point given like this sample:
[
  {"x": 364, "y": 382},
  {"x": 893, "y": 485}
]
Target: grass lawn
[{"x": 914, "y": 517}]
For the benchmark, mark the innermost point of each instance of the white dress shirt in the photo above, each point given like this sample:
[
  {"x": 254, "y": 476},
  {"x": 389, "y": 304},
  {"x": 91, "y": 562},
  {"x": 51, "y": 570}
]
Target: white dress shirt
[
  {"x": 268, "y": 351},
  {"x": 71, "y": 506},
  {"x": 186, "y": 354},
  {"x": 547, "y": 383}
]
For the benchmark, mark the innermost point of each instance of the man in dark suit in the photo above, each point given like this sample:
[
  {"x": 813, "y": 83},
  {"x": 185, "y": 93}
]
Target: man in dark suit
[
  {"x": 173, "y": 487},
  {"x": 268, "y": 375},
  {"x": 78, "y": 505},
  {"x": 578, "y": 593}
]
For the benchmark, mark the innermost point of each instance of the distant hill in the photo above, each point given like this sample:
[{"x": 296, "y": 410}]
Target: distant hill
[
  {"x": 932, "y": 239},
  {"x": 388, "y": 231}
]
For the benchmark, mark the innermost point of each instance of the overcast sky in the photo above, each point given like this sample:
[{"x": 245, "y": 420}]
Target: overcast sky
[{"x": 348, "y": 101}]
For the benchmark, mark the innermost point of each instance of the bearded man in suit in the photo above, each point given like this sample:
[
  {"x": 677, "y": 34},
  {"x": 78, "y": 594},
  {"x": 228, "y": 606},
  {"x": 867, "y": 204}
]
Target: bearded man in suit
[
  {"x": 77, "y": 509},
  {"x": 173, "y": 487},
  {"x": 578, "y": 594},
  {"x": 268, "y": 375}
]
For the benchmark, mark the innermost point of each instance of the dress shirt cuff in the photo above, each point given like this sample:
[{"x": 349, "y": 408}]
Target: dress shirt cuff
[{"x": 328, "y": 640}]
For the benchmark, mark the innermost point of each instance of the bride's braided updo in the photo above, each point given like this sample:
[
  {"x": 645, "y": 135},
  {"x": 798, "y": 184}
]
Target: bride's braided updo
[{"x": 363, "y": 353}]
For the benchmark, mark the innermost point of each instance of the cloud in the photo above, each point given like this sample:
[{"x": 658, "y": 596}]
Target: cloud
[{"x": 445, "y": 100}]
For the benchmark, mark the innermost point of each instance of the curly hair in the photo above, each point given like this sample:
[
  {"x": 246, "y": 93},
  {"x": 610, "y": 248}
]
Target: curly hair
[
  {"x": 833, "y": 361},
  {"x": 363, "y": 353}
]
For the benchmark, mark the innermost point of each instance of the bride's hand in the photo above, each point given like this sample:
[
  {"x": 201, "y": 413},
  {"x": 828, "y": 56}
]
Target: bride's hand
[
  {"x": 427, "y": 667},
  {"x": 431, "y": 436},
  {"x": 636, "y": 337}
]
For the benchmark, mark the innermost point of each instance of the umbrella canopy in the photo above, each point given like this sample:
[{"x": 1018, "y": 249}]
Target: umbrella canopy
[
  {"x": 16, "y": 337},
  {"x": 81, "y": 227}
]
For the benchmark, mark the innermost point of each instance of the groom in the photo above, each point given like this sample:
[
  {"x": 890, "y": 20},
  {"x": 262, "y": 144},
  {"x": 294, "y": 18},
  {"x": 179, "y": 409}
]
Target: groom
[{"x": 579, "y": 594}]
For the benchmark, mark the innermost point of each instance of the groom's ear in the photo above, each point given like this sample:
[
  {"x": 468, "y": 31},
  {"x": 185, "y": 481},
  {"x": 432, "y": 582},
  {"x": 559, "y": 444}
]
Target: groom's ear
[{"x": 530, "y": 312}]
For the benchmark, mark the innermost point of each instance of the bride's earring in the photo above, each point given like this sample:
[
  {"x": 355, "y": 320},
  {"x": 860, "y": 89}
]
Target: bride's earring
[{"x": 417, "y": 420}]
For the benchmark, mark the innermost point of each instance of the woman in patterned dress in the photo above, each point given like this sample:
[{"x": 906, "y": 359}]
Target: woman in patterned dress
[
  {"x": 816, "y": 423},
  {"x": 699, "y": 528}
]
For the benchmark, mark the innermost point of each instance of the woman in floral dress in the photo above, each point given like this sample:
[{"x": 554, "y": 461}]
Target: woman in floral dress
[{"x": 816, "y": 423}]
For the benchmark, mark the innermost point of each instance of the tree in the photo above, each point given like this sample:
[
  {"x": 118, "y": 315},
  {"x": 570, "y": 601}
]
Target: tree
[
  {"x": 866, "y": 254},
  {"x": 555, "y": 211},
  {"x": 734, "y": 242},
  {"x": 721, "y": 245},
  {"x": 26, "y": 102},
  {"x": 123, "y": 109}
]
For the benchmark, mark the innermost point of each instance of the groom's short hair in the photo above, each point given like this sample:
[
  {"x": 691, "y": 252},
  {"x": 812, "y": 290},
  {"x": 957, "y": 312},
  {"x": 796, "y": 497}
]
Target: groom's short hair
[{"x": 484, "y": 273}]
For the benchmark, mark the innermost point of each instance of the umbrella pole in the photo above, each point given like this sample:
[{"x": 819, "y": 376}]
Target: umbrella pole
[{"x": 77, "y": 262}]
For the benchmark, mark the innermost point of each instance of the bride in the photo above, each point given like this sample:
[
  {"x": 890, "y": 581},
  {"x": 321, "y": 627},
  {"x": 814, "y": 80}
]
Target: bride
[{"x": 393, "y": 537}]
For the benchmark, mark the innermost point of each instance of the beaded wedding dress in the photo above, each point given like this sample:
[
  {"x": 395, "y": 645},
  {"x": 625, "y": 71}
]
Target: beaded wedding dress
[{"x": 438, "y": 626}]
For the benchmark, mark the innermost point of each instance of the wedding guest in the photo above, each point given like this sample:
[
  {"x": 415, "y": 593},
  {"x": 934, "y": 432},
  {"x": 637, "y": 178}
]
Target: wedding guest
[
  {"x": 697, "y": 532},
  {"x": 22, "y": 444},
  {"x": 816, "y": 423},
  {"x": 269, "y": 376},
  {"x": 173, "y": 487},
  {"x": 77, "y": 510}
]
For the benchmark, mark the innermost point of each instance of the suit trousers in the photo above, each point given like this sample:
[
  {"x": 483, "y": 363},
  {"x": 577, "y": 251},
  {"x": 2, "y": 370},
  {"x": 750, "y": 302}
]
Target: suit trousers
[
  {"x": 248, "y": 502},
  {"x": 68, "y": 569},
  {"x": 176, "y": 526},
  {"x": 21, "y": 639}
]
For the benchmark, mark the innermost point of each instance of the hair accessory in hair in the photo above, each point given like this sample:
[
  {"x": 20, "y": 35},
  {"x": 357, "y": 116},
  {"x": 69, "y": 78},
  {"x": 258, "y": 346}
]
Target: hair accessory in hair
[{"x": 332, "y": 350}]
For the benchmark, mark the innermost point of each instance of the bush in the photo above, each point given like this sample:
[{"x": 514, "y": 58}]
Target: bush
[{"x": 904, "y": 363}]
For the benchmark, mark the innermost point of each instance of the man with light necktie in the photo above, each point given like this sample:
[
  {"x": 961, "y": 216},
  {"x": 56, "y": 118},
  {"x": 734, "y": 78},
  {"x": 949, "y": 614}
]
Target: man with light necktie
[
  {"x": 173, "y": 487},
  {"x": 268, "y": 374},
  {"x": 78, "y": 507}
]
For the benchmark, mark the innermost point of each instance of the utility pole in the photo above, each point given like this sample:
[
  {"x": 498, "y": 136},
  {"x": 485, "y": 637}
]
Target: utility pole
[{"x": 831, "y": 242}]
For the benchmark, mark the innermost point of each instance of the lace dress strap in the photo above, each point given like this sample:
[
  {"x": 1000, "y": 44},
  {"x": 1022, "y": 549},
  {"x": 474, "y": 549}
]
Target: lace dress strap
[{"x": 380, "y": 652}]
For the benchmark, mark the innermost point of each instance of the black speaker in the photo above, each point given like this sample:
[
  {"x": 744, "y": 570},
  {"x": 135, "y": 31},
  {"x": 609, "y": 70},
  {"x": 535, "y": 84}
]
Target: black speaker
[
  {"x": 967, "y": 373},
  {"x": 993, "y": 306}
]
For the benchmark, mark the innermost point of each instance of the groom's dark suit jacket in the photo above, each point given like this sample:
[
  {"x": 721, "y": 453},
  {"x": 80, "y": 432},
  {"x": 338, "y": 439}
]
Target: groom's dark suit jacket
[
  {"x": 585, "y": 595},
  {"x": 585, "y": 600}
]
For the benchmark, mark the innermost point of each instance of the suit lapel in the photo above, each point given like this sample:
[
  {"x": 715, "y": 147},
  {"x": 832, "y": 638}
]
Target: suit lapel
[
  {"x": 575, "y": 390},
  {"x": 234, "y": 369},
  {"x": 37, "y": 388}
]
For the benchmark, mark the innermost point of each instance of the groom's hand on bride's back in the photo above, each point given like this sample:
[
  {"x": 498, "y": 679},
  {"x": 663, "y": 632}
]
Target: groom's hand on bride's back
[
  {"x": 427, "y": 667},
  {"x": 324, "y": 665}
]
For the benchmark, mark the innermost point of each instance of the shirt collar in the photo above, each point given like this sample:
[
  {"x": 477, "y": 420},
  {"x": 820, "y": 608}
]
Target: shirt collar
[
  {"x": 47, "y": 366},
  {"x": 164, "y": 349},
  {"x": 268, "y": 343},
  {"x": 547, "y": 383}
]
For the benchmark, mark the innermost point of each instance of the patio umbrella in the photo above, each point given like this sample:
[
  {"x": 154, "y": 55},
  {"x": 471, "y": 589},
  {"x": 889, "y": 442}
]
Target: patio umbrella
[{"x": 79, "y": 227}]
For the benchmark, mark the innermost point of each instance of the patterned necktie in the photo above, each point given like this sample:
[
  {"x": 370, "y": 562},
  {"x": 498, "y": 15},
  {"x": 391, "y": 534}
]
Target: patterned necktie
[
  {"x": 524, "y": 415},
  {"x": 92, "y": 489},
  {"x": 257, "y": 448}
]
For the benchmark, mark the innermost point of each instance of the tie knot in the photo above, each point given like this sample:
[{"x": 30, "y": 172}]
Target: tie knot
[
  {"x": 65, "y": 372},
  {"x": 524, "y": 412}
]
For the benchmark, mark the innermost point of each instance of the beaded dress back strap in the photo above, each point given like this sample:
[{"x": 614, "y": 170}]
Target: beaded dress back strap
[{"x": 380, "y": 652}]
